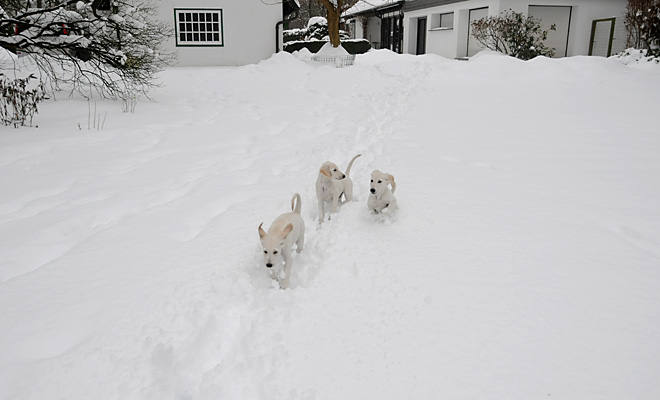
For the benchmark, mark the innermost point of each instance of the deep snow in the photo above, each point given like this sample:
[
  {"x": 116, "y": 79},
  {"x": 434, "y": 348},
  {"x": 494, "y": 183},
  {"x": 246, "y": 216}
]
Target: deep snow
[{"x": 524, "y": 261}]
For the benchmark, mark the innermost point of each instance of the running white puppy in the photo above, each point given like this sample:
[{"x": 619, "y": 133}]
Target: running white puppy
[
  {"x": 331, "y": 184},
  {"x": 287, "y": 229},
  {"x": 381, "y": 199}
]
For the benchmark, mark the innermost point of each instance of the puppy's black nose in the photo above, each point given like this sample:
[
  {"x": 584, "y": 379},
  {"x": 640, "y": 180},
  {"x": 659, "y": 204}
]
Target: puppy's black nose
[
  {"x": 343, "y": 176},
  {"x": 269, "y": 265},
  {"x": 373, "y": 190}
]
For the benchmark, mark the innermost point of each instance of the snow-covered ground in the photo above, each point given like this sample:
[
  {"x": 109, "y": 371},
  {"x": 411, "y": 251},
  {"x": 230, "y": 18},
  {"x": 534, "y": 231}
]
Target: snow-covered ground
[{"x": 524, "y": 262}]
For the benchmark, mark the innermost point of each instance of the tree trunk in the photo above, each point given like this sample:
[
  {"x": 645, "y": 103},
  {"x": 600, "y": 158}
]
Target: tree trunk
[{"x": 333, "y": 26}]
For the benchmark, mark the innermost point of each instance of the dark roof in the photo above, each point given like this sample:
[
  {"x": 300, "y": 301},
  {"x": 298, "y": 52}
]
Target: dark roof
[{"x": 419, "y": 4}]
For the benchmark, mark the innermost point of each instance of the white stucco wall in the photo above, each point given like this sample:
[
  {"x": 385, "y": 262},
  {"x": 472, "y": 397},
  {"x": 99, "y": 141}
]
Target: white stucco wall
[
  {"x": 248, "y": 28},
  {"x": 453, "y": 43},
  {"x": 449, "y": 43},
  {"x": 373, "y": 31},
  {"x": 582, "y": 15}
]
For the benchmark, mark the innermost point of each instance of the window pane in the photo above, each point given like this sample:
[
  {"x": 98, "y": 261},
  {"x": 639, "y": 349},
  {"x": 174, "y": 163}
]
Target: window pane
[
  {"x": 447, "y": 20},
  {"x": 198, "y": 27}
]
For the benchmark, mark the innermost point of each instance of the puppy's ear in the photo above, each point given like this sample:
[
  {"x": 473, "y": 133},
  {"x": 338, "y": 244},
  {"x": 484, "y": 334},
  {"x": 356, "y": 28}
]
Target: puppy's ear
[
  {"x": 392, "y": 182},
  {"x": 262, "y": 233},
  {"x": 285, "y": 232},
  {"x": 325, "y": 171}
]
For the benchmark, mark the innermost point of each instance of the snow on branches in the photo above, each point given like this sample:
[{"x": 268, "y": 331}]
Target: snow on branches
[{"x": 107, "y": 50}]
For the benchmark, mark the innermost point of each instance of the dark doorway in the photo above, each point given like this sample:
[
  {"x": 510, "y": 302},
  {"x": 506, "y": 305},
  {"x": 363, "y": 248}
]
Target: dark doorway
[
  {"x": 421, "y": 36},
  {"x": 391, "y": 33}
]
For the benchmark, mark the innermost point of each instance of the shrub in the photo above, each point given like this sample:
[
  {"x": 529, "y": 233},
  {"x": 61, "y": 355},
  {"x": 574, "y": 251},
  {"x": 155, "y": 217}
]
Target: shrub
[
  {"x": 291, "y": 35},
  {"x": 18, "y": 102},
  {"x": 514, "y": 34},
  {"x": 642, "y": 20},
  {"x": 317, "y": 28},
  {"x": 353, "y": 46}
]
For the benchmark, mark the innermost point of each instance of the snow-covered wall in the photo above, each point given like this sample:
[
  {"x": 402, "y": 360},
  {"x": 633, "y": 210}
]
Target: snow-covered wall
[
  {"x": 247, "y": 31},
  {"x": 573, "y": 37}
]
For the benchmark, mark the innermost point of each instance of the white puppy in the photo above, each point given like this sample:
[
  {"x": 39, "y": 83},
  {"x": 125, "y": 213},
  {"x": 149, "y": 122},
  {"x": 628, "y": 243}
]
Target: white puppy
[
  {"x": 382, "y": 198},
  {"x": 287, "y": 229},
  {"x": 331, "y": 184}
]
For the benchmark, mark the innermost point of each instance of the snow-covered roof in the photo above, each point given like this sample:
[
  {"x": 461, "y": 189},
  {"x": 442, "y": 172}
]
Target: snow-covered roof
[{"x": 368, "y": 5}]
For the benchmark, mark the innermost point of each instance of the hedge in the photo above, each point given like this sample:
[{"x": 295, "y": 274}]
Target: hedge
[{"x": 353, "y": 46}]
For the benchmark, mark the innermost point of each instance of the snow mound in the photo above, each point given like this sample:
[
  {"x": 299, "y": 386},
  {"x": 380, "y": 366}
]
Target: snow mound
[
  {"x": 639, "y": 59},
  {"x": 327, "y": 50}
]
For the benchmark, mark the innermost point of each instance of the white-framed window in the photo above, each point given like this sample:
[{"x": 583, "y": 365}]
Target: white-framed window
[
  {"x": 442, "y": 21},
  {"x": 198, "y": 27}
]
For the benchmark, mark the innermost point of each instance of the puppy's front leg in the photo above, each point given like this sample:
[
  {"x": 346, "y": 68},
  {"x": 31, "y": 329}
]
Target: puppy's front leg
[
  {"x": 335, "y": 203},
  {"x": 321, "y": 211},
  {"x": 287, "y": 270}
]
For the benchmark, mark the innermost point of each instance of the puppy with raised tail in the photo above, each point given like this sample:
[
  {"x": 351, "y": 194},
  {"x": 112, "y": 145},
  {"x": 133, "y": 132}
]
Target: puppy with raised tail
[
  {"x": 287, "y": 229},
  {"x": 331, "y": 184},
  {"x": 381, "y": 199}
]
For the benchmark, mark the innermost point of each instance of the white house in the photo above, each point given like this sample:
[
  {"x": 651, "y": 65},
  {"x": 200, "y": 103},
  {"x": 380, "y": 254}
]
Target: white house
[
  {"x": 224, "y": 32},
  {"x": 378, "y": 21},
  {"x": 583, "y": 27}
]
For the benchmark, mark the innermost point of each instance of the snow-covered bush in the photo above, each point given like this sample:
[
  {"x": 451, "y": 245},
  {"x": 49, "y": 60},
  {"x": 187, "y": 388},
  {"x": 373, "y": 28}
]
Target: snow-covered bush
[
  {"x": 637, "y": 56},
  {"x": 19, "y": 100},
  {"x": 514, "y": 34},
  {"x": 642, "y": 20},
  {"x": 317, "y": 28},
  {"x": 83, "y": 44},
  {"x": 291, "y": 35},
  {"x": 352, "y": 46}
]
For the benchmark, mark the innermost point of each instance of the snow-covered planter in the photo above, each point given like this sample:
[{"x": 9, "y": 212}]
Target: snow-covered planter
[{"x": 337, "y": 56}]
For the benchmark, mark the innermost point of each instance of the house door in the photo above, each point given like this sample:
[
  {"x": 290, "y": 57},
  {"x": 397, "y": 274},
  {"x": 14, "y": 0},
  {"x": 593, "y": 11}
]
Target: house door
[
  {"x": 560, "y": 17},
  {"x": 391, "y": 33},
  {"x": 473, "y": 47},
  {"x": 421, "y": 36},
  {"x": 602, "y": 36}
]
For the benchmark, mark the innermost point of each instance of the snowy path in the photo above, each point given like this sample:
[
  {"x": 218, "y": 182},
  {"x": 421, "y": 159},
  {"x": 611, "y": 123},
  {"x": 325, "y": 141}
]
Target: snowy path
[{"x": 523, "y": 263}]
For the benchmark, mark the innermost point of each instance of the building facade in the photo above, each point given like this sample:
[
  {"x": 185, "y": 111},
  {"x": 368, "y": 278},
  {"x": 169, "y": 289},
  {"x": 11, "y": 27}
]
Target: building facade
[
  {"x": 224, "y": 32},
  {"x": 583, "y": 27}
]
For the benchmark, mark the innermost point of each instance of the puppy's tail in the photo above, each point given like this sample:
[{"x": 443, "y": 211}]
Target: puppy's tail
[
  {"x": 350, "y": 164},
  {"x": 295, "y": 203}
]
